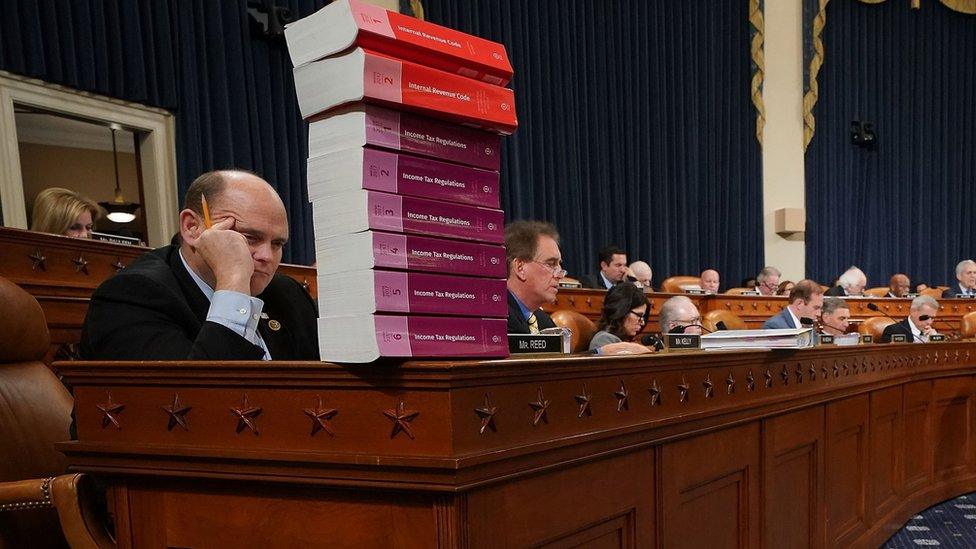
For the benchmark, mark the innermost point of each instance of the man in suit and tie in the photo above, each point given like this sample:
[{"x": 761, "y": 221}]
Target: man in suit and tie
[
  {"x": 805, "y": 301},
  {"x": 918, "y": 326},
  {"x": 966, "y": 275},
  {"x": 899, "y": 285},
  {"x": 851, "y": 283},
  {"x": 709, "y": 281},
  {"x": 613, "y": 269},
  {"x": 214, "y": 296},
  {"x": 767, "y": 281},
  {"x": 534, "y": 270}
]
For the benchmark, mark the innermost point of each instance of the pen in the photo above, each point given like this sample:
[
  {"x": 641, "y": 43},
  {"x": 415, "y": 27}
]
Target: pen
[{"x": 207, "y": 223}]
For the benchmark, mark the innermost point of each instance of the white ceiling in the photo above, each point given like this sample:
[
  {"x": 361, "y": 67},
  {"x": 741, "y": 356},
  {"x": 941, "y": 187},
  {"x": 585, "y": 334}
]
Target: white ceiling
[{"x": 51, "y": 129}]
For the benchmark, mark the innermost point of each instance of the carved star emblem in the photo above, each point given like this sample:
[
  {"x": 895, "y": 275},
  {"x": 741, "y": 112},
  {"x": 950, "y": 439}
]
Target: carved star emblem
[
  {"x": 785, "y": 375},
  {"x": 401, "y": 418},
  {"x": 109, "y": 412},
  {"x": 541, "y": 408},
  {"x": 768, "y": 378},
  {"x": 487, "y": 415},
  {"x": 81, "y": 264},
  {"x": 730, "y": 384},
  {"x": 847, "y": 369},
  {"x": 584, "y": 403},
  {"x": 836, "y": 371},
  {"x": 823, "y": 371},
  {"x": 750, "y": 382},
  {"x": 37, "y": 261},
  {"x": 683, "y": 390},
  {"x": 621, "y": 395},
  {"x": 118, "y": 264},
  {"x": 798, "y": 374},
  {"x": 812, "y": 372},
  {"x": 246, "y": 416},
  {"x": 320, "y": 418},
  {"x": 655, "y": 391},
  {"x": 177, "y": 414},
  {"x": 708, "y": 386}
]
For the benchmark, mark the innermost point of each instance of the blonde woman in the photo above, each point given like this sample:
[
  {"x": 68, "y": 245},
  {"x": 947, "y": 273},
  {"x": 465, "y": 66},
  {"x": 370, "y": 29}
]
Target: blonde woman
[{"x": 65, "y": 212}]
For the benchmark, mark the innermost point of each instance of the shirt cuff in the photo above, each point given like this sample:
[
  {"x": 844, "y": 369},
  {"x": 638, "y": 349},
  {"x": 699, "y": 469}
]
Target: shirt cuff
[{"x": 238, "y": 312}]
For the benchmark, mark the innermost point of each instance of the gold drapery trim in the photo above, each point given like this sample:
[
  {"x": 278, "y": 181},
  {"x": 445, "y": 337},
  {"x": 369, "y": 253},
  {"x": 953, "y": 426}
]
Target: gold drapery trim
[
  {"x": 417, "y": 8},
  {"x": 756, "y": 19},
  {"x": 963, "y": 6},
  {"x": 813, "y": 91}
]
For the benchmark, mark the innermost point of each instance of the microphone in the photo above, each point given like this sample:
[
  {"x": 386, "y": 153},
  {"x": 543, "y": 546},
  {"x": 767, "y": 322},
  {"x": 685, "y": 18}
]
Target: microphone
[
  {"x": 874, "y": 307},
  {"x": 806, "y": 321},
  {"x": 651, "y": 340},
  {"x": 681, "y": 329},
  {"x": 720, "y": 326}
]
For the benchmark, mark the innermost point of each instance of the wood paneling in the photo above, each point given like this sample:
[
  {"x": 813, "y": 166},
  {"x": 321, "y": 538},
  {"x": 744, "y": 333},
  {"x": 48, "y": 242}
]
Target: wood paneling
[
  {"x": 952, "y": 427},
  {"x": 793, "y": 471},
  {"x": 917, "y": 436},
  {"x": 885, "y": 451},
  {"x": 846, "y": 468}
]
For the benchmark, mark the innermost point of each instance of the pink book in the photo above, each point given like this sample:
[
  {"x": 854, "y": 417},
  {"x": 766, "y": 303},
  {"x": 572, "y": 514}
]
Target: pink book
[
  {"x": 369, "y": 291},
  {"x": 355, "y": 211},
  {"x": 361, "y": 75},
  {"x": 368, "y": 249},
  {"x": 363, "y": 124},
  {"x": 398, "y": 173},
  {"x": 365, "y": 338},
  {"x": 345, "y": 23}
]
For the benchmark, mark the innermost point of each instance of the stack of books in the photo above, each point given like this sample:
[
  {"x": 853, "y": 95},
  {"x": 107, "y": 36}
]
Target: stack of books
[{"x": 405, "y": 119}]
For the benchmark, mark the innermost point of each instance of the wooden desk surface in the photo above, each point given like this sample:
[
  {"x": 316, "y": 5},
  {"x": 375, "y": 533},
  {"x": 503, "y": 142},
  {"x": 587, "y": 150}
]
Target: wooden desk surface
[{"x": 829, "y": 446}]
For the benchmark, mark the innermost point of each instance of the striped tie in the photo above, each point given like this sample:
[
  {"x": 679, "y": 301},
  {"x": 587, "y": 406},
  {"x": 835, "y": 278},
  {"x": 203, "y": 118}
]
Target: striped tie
[{"x": 533, "y": 324}]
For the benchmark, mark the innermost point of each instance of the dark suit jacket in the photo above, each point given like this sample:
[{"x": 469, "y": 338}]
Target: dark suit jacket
[
  {"x": 517, "y": 324},
  {"x": 783, "y": 319},
  {"x": 153, "y": 310},
  {"x": 901, "y": 327},
  {"x": 836, "y": 291},
  {"x": 954, "y": 291},
  {"x": 593, "y": 281}
]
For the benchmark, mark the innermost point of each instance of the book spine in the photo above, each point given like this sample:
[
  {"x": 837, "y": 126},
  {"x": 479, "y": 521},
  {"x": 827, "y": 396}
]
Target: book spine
[
  {"x": 429, "y": 44},
  {"x": 423, "y": 293},
  {"x": 428, "y": 337},
  {"x": 414, "y": 176},
  {"x": 438, "y": 93},
  {"x": 429, "y": 137},
  {"x": 390, "y": 212},
  {"x": 418, "y": 253}
]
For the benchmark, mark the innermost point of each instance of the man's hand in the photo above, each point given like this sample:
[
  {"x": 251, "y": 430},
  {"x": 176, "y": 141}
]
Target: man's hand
[
  {"x": 227, "y": 254},
  {"x": 624, "y": 348}
]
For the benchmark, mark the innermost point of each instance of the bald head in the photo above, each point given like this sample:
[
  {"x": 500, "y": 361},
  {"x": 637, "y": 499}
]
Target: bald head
[
  {"x": 642, "y": 272},
  {"x": 709, "y": 281},
  {"x": 899, "y": 285}
]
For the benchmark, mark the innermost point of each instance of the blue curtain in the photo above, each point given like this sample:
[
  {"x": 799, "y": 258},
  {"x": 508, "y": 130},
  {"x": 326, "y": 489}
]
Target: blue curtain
[
  {"x": 636, "y": 127},
  {"x": 230, "y": 89},
  {"x": 906, "y": 206}
]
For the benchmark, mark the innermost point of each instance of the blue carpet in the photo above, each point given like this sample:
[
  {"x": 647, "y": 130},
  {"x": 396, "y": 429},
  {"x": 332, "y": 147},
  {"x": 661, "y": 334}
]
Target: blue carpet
[{"x": 950, "y": 524}]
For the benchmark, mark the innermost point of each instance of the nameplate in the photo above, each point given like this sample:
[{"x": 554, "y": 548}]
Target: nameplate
[
  {"x": 751, "y": 292},
  {"x": 570, "y": 285},
  {"x": 535, "y": 343},
  {"x": 911, "y": 295},
  {"x": 826, "y": 339},
  {"x": 867, "y": 338},
  {"x": 675, "y": 342},
  {"x": 937, "y": 337},
  {"x": 899, "y": 338},
  {"x": 966, "y": 296},
  {"x": 696, "y": 291},
  {"x": 115, "y": 239}
]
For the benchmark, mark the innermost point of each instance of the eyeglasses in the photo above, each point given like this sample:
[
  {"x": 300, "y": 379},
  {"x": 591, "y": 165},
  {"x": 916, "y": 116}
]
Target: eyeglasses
[
  {"x": 641, "y": 317},
  {"x": 696, "y": 320},
  {"x": 555, "y": 268}
]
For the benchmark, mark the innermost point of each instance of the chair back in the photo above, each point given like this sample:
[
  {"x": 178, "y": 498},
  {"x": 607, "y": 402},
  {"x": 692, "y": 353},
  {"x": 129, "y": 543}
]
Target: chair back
[
  {"x": 739, "y": 291},
  {"x": 673, "y": 284},
  {"x": 731, "y": 320},
  {"x": 880, "y": 291},
  {"x": 35, "y": 412},
  {"x": 582, "y": 327},
  {"x": 967, "y": 327},
  {"x": 874, "y": 326},
  {"x": 934, "y": 292}
]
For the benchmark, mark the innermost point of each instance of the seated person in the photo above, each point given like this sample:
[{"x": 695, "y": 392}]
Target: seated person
[
  {"x": 805, "y": 301},
  {"x": 918, "y": 326},
  {"x": 534, "y": 271},
  {"x": 613, "y": 269},
  {"x": 625, "y": 312},
  {"x": 640, "y": 272},
  {"x": 216, "y": 295},
  {"x": 899, "y": 285},
  {"x": 64, "y": 212},
  {"x": 749, "y": 283},
  {"x": 767, "y": 281},
  {"x": 921, "y": 287},
  {"x": 851, "y": 283},
  {"x": 785, "y": 287},
  {"x": 835, "y": 316},
  {"x": 966, "y": 275},
  {"x": 708, "y": 280},
  {"x": 679, "y": 315}
]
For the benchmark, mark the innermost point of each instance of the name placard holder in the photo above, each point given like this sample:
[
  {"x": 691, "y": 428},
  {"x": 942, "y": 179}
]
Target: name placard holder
[
  {"x": 696, "y": 291},
  {"x": 936, "y": 338},
  {"x": 535, "y": 343},
  {"x": 682, "y": 342},
  {"x": 826, "y": 339},
  {"x": 899, "y": 338},
  {"x": 867, "y": 338}
]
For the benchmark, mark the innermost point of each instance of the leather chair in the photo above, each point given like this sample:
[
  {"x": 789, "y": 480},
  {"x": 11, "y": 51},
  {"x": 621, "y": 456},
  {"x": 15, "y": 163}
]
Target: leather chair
[
  {"x": 39, "y": 505},
  {"x": 934, "y": 292},
  {"x": 967, "y": 327},
  {"x": 880, "y": 291},
  {"x": 673, "y": 284},
  {"x": 731, "y": 320},
  {"x": 874, "y": 326},
  {"x": 582, "y": 327}
]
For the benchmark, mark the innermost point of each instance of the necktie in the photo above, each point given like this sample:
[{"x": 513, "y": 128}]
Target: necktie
[{"x": 533, "y": 324}]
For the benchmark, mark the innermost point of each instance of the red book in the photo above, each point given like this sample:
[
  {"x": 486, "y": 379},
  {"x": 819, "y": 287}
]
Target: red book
[
  {"x": 361, "y": 75},
  {"x": 346, "y": 23}
]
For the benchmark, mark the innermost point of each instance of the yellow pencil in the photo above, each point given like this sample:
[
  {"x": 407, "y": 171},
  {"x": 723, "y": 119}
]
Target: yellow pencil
[{"x": 207, "y": 223}]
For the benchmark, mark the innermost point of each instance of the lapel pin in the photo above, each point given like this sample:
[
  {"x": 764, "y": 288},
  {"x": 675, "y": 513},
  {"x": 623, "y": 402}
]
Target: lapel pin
[{"x": 274, "y": 325}]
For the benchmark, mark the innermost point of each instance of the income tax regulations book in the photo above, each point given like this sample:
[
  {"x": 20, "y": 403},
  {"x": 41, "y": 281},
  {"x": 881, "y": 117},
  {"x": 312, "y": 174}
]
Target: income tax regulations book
[
  {"x": 345, "y": 23},
  {"x": 361, "y": 75}
]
